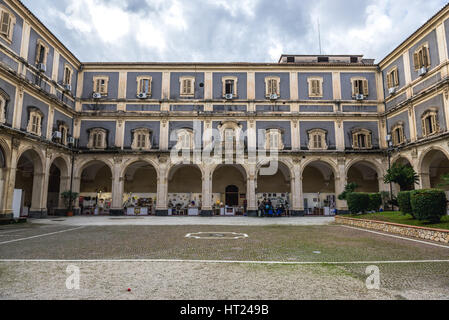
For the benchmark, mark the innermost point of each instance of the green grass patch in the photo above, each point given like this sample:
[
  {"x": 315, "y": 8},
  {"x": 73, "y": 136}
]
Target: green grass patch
[{"x": 398, "y": 217}]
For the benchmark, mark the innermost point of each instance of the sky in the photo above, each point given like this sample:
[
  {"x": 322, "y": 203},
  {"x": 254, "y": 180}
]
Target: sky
[{"x": 229, "y": 30}]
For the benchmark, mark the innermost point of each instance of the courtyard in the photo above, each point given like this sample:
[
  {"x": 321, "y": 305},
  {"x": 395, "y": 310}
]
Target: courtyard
[{"x": 286, "y": 258}]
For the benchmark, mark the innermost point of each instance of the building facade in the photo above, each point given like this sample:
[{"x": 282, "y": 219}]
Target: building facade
[{"x": 108, "y": 130}]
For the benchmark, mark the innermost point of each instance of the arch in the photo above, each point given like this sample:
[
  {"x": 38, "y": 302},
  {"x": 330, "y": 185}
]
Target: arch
[
  {"x": 30, "y": 179},
  {"x": 426, "y": 152},
  {"x": 86, "y": 162},
  {"x": 434, "y": 164},
  {"x": 331, "y": 164},
  {"x": 225, "y": 175},
  {"x": 130, "y": 162},
  {"x": 365, "y": 174},
  {"x": 2, "y": 158},
  {"x": 369, "y": 162},
  {"x": 36, "y": 155},
  {"x": 284, "y": 162},
  {"x": 319, "y": 185},
  {"x": 401, "y": 158},
  {"x": 5, "y": 153}
]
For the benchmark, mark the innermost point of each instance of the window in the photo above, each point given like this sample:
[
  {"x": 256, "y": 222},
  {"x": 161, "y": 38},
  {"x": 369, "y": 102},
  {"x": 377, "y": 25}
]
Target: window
[
  {"x": 229, "y": 86},
  {"x": 97, "y": 139},
  {"x": 359, "y": 86},
  {"x": 144, "y": 85},
  {"x": 272, "y": 86},
  {"x": 187, "y": 86},
  {"x": 185, "y": 139},
  {"x": 273, "y": 140},
  {"x": 62, "y": 127},
  {"x": 393, "y": 78},
  {"x": 361, "y": 139},
  {"x": 317, "y": 139},
  {"x": 421, "y": 57},
  {"x": 35, "y": 121},
  {"x": 315, "y": 87},
  {"x": 397, "y": 134},
  {"x": 7, "y": 22},
  {"x": 141, "y": 139},
  {"x": 101, "y": 85},
  {"x": 41, "y": 53},
  {"x": 3, "y": 103},
  {"x": 430, "y": 123},
  {"x": 68, "y": 75}
]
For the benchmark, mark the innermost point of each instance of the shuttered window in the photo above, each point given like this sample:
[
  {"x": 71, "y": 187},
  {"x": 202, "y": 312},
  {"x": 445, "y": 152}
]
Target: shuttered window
[
  {"x": 393, "y": 78},
  {"x": 272, "y": 87},
  {"x": 101, "y": 85},
  {"x": 360, "y": 87},
  {"x": 421, "y": 58},
  {"x": 361, "y": 139},
  {"x": 67, "y": 75},
  {"x": 186, "y": 87},
  {"x": 5, "y": 23}
]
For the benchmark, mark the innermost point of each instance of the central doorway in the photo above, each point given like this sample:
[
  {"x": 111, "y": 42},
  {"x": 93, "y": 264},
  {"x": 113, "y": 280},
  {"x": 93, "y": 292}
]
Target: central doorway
[{"x": 232, "y": 196}]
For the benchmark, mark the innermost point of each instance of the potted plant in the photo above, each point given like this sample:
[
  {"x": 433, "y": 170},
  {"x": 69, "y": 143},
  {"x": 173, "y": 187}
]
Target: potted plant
[{"x": 69, "y": 197}]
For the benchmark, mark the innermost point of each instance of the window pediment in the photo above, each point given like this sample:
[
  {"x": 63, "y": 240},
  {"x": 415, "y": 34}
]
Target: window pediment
[
  {"x": 317, "y": 139},
  {"x": 97, "y": 138}
]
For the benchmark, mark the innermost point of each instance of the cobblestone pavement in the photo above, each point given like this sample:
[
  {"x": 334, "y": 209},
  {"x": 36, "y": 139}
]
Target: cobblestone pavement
[{"x": 199, "y": 280}]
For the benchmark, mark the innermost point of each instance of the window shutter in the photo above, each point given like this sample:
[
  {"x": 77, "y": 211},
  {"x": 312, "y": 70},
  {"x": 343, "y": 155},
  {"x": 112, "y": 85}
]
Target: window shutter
[
  {"x": 314, "y": 87},
  {"x": 424, "y": 129},
  {"x": 355, "y": 87},
  {"x": 396, "y": 77},
  {"x": 355, "y": 141},
  {"x": 416, "y": 60},
  {"x": 426, "y": 54},
  {"x": 270, "y": 87},
  {"x": 389, "y": 82},
  {"x": 369, "y": 143},
  {"x": 5, "y": 23},
  {"x": 365, "y": 88},
  {"x": 189, "y": 86},
  {"x": 434, "y": 124}
]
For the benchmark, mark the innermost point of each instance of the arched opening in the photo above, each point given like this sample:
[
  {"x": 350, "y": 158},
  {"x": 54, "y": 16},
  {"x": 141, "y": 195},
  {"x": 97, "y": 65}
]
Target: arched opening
[
  {"x": 318, "y": 183},
  {"x": 96, "y": 189},
  {"x": 140, "y": 189},
  {"x": 2, "y": 178},
  {"x": 364, "y": 174},
  {"x": 57, "y": 183},
  {"x": 28, "y": 186},
  {"x": 435, "y": 164},
  {"x": 275, "y": 188},
  {"x": 185, "y": 190},
  {"x": 224, "y": 178},
  {"x": 405, "y": 162}
]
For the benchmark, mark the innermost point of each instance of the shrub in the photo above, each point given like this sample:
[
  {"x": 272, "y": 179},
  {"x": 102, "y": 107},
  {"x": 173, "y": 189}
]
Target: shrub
[
  {"x": 404, "y": 202},
  {"x": 358, "y": 202},
  {"x": 375, "y": 201},
  {"x": 429, "y": 204}
]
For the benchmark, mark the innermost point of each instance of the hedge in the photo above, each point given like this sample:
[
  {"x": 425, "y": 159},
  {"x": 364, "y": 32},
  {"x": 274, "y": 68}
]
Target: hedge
[
  {"x": 429, "y": 204},
  {"x": 358, "y": 202},
  {"x": 404, "y": 202},
  {"x": 375, "y": 201}
]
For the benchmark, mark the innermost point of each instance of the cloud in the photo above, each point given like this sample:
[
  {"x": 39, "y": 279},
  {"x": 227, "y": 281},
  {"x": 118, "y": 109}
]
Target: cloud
[{"x": 229, "y": 30}]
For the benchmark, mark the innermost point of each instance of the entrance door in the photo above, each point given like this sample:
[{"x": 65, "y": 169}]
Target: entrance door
[{"x": 232, "y": 196}]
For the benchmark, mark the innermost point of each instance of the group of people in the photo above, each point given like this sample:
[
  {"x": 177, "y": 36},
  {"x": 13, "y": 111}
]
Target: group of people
[{"x": 266, "y": 209}]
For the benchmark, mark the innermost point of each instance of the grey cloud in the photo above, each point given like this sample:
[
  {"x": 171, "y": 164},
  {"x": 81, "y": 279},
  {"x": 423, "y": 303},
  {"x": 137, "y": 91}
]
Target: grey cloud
[{"x": 213, "y": 34}]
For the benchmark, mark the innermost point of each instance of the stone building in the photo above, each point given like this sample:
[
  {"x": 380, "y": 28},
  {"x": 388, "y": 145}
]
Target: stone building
[{"x": 108, "y": 130}]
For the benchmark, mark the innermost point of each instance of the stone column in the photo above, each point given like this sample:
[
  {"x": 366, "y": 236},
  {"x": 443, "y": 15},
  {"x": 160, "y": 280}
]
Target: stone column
[
  {"x": 10, "y": 175},
  {"x": 162, "y": 189},
  {"x": 117, "y": 189},
  {"x": 297, "y": 198},
  {"x": 37, "y": 209},
  {"x": 76, "y": 187},
  {"x": 206, "y": 209},
  {"x": 340, "y": 184},
  {"x": 424, "y": 181},
  {"x": 251, "y": 192},
  {"x": 64, "y": 185},
  {"x": 2, "y": 196}
]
